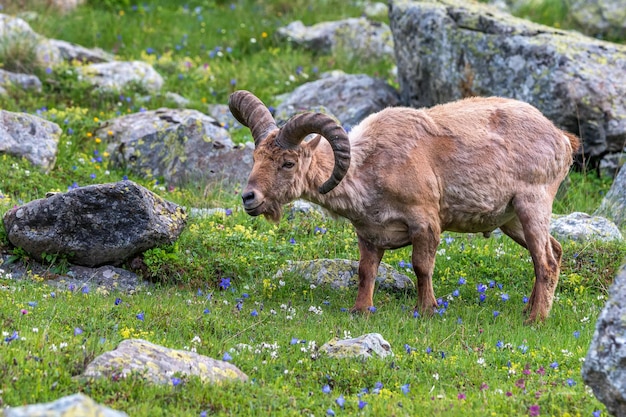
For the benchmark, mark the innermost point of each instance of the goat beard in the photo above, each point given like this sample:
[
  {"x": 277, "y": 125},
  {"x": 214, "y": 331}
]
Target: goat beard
[{"x": 273, "y": 213}]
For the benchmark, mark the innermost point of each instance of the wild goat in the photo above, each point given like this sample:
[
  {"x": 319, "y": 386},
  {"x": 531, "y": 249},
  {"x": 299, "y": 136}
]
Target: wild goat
[{"x": 403, "y": 176}]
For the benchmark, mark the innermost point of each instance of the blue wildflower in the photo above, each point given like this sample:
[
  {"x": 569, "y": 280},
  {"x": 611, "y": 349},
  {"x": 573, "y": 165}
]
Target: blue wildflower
[
  {"x": 456, "y": 293},
  {"x": 227, "y": 357},
  {"x": 326, "y": 389},
  {"x": 176, "y": 381},
  {"x": 496, "y": 313},
  {"x": 12, "y": 337},
  {"x": 140, "y": 316},
  {"x": 340, "y": 401},
  {"x": 118, "y": 301},
  {"x": 499, "y": 344},
  {"x": 405, "y": 389},
  {"x": 504, "y": 297},
  {"x": 224, "y": 283},
  {"x": 77, "y": 331},
  {"x": 371, "y": 309},
  {"x": 254, "y": 313},
  {"x": 362, "y": 404}
]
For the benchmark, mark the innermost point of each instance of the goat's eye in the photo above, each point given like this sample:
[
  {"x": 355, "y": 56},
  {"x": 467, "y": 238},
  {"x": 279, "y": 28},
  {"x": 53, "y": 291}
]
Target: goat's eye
[{"x": 288, "y": 164}]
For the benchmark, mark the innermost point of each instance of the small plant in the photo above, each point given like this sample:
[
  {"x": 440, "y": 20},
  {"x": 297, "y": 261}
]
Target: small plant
[
  {"x": 18, "y": 53},
  {"x": 57, "y": 264}
]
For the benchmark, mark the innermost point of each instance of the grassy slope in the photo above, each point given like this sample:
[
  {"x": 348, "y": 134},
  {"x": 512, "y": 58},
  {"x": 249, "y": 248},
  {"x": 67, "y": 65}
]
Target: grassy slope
[{"x": 475, "y": 358}]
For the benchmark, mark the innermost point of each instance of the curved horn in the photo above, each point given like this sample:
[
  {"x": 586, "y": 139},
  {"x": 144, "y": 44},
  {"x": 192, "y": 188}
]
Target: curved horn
[
  {"x": 298, "y": 127},
  {"x": 252, "y": 113}
]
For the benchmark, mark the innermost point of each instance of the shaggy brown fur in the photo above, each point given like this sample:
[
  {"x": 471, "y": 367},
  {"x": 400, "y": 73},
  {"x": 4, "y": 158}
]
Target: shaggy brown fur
[{"x": 470, "y": 166}]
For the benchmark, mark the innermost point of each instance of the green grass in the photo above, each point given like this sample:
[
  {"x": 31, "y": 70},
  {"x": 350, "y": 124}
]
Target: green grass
[{"x": 464, "y": 361}]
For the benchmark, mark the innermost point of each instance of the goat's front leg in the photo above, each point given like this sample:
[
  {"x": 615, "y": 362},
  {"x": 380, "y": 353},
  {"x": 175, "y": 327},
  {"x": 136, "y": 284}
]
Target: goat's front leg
[
  {"x": 425, "y": 242},
  {"x": 368, "y": 270}
]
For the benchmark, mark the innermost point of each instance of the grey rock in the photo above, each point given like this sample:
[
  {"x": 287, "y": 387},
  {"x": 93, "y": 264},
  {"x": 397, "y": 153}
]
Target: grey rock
[
  {"x": 611, "y": 164},
  {"x": 103, "y": 279},
  {"x": 180, "y": 146},
  {"x": 31, "y": 137},
  {"x": 117, "y": 75},
  {"x": 73, "y": 52},
  {"x": 25, "y": 81},
  {"x": 72, "y": 405},
  {"x": 603, "y": 369},
  {"x": 158, "y": 364},
  {"x": 343, "y": 273},
  {"x": 349, "y": 97},
  {"x": 603, "y": 18},
  {"x": 364, "y": 346},
  {"x": 613, "y": 205},
  {"x": 95, "y": 225},
  {"x": 359, "y": 38},
  {"x": 582, "y": 227},
  {"x": 449, "y": 49}
]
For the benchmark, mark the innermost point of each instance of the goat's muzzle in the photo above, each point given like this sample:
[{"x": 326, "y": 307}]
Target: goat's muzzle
[{"x": 252, "y": 204}]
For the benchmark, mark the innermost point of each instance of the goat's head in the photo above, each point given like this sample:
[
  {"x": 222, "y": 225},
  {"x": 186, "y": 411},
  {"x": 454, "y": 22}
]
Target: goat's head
[{"x": 281, "y": 158}]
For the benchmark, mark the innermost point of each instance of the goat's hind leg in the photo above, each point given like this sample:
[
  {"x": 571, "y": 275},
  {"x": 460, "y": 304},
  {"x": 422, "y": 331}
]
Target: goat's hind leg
[
  {"x": 425, "y": 244},
  {"x": 531, "y": 229}
]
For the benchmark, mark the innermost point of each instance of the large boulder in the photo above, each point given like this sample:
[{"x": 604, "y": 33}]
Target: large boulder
[
  {"x": 180, "y": 146},
  {"x": 160, "y": 365},
  {"x": 604, "y": 368},
  {"x": 449, "y": 49},
  {"x": 361, "y": 38},
  {"x": 613, "y": 205},
  {"x": 95, "y": 225},
  {"x": 348, "y": 97},
  {"x": 603, "y": 18},
  {"x": 31, "y": 137}
]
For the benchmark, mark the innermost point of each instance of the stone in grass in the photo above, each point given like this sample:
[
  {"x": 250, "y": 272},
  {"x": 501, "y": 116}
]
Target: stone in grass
[
  {"x": 604, "y": 369},
  {"x": 364, "y": 346},
  {"x": 72, "y": 405},
  {"x": 343, "y": 273},
  {"x": 95, "y": 225},
  {"x": 159, "y": 364},
  {"x": 582, "y": 227}
]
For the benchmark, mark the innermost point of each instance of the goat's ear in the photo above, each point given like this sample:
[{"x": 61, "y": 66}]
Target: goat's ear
[{"x": 312, "y": 144}]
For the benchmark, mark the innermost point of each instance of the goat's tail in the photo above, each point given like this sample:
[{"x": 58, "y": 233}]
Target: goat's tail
[{"x": 573, "y": 141}]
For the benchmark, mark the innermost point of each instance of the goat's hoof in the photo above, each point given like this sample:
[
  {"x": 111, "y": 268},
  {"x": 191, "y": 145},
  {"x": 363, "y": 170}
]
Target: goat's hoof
[{"x": 360, "y": 309}]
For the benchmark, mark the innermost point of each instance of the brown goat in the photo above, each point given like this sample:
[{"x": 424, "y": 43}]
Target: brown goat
[{"x": 403, "y": 176}]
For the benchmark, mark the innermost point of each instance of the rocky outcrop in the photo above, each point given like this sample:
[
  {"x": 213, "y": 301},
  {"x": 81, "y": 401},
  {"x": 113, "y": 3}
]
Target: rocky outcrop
[
  {"x": 613, "y": 205},
  {"x": 160, "y": 365},
  {"x": 449, "y": 49},
  {"x": 95, "y": 225},
  {"x": 180, "y": 146},
  {"x": 30, "y": 137},
  {"x": 24, "y": 81},
  {"x": 603, "y": 369}
]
